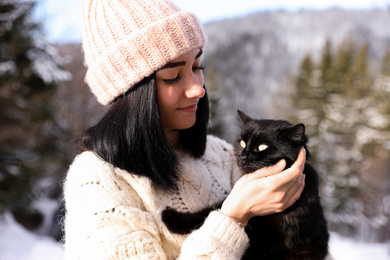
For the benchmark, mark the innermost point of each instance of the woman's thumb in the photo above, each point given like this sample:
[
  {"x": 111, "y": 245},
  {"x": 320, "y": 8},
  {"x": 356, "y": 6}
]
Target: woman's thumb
[{"x": 271, "y": 170}]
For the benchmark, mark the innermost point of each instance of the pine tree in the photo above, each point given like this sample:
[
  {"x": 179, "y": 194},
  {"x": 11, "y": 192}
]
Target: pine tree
[
  {"x": 383, "y": 95},
  {"x": 344, "y": 119},
  {"x": 29, "y": 73},
  {"x": 216, "y": 125},
  {"x": 346, "y": 112}
]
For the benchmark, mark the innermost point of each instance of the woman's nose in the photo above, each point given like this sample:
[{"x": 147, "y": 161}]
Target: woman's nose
[{"x": 195, "y": 88}]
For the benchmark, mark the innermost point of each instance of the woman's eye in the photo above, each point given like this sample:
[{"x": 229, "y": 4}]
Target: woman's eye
[
  {"x": 171, "y": 81},
  {"x": 198, "y": 68},
  {"x": 178, "y": 77}
]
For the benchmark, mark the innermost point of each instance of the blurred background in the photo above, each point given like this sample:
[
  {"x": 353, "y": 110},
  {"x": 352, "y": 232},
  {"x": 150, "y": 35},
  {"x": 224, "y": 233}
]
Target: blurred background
[{"x": 323, "y": 63}]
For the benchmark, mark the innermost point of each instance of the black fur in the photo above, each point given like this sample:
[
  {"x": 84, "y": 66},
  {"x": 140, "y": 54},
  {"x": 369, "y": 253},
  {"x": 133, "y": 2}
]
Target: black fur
[{"x": 300, "y": 232}]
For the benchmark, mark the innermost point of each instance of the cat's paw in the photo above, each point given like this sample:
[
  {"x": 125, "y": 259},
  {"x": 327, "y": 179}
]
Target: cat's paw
[{"x": 175, "y": 222}]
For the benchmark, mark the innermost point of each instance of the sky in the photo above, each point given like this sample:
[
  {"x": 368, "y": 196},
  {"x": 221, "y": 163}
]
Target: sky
[{"x": 62, "y": 18}]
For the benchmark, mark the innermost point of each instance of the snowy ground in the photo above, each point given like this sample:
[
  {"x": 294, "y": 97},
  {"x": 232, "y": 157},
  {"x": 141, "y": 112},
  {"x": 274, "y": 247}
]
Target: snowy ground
[
  {"x": 347, "y": 249},
  {"x": 18, "y": 244}
]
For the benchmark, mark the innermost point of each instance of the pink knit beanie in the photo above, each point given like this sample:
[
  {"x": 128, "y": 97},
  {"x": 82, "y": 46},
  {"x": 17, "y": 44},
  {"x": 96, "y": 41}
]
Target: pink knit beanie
[{"x": 125, "y": 41}]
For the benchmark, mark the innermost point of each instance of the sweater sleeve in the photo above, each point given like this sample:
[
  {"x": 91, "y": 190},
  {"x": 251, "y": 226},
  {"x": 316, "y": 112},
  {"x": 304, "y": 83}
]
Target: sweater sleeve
[
  {"x": 101, "y": 224},
  {"x": 220, "y": 237},
  {"x": 116, "y": 238}
]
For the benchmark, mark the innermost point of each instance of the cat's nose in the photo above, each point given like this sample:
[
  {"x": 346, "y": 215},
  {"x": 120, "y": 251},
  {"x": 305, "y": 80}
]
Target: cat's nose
[{"x": 242, "y": 159}]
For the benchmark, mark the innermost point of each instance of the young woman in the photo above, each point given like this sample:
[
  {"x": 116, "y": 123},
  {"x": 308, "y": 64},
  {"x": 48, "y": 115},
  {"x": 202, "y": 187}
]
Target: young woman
[{"x": 151, "y": 150}]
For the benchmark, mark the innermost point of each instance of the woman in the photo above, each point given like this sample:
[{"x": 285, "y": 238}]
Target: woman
[{"x": 151, "y": 150}]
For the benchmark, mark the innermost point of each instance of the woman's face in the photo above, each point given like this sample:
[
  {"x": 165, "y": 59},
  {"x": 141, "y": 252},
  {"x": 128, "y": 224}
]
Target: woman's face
[{"x": 179, "y": 88}]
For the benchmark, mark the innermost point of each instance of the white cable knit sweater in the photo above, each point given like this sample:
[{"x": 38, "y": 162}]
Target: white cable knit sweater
[{"x": 112, "y": 214}]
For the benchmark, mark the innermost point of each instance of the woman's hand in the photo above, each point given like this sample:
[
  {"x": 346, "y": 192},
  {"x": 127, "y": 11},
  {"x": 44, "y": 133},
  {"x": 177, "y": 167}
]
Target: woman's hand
[{"x": 266, "y": 191}]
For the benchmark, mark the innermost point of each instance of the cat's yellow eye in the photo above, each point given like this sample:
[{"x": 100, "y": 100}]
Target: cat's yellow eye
[
  {"x": 262, "y": 147},
  {"x": 242, "y": 144}
]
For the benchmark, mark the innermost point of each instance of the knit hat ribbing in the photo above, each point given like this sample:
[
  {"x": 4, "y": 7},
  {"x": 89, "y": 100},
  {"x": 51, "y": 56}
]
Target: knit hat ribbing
[{"x": 125, "y": 41}]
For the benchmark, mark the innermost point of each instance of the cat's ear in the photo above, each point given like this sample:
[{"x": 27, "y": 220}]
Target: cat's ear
[
  {"x": 243, "y": 118},
  {"x": 296, "y": 133}
]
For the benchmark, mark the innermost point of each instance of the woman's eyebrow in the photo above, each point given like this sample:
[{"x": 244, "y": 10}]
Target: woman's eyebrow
[
  {"x": 173, "y": 65},
  {"x": 199, "y": 54},
  {"x": 179, "y": 63}
]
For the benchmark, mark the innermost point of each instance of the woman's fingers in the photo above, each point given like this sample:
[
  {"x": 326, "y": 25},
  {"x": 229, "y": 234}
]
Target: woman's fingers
[
  {"x": 286, "y": 176},
  {"x": 289, "y": 183},
  {"x": 294, "y": 193},
  {"x": 293, "y": 185},
  {"x": 294, "y": 172},
  {"x": 254, "y": 195},
  {"x": 268, "y": 171}
]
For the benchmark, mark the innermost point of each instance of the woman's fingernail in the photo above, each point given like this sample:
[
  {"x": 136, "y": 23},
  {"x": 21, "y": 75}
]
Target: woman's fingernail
[{"x": 280, "y": 164}]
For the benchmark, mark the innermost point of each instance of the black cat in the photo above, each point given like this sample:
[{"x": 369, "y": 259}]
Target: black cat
[{"x": 300, "y": 232}]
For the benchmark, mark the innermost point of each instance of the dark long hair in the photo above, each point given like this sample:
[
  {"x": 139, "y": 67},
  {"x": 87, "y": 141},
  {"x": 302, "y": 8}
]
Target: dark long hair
[{"x": 130, "y": 136}]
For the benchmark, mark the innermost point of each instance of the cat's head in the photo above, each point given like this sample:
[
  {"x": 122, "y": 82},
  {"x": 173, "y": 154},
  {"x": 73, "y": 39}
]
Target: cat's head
[{"x": 263, "y": 143}]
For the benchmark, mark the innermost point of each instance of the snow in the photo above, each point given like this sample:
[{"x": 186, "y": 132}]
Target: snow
[
  {"x": 343, "y": 248},
  {"x": 8, "y": 67},
  {"x": 46, "y": 62},
  {"x": 48, "y": 208},
  {"x": 16, "y": 243}
]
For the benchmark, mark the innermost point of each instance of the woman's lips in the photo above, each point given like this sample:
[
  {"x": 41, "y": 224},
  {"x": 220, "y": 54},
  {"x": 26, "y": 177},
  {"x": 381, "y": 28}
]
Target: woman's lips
[{"x": 189, "y": 109}]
